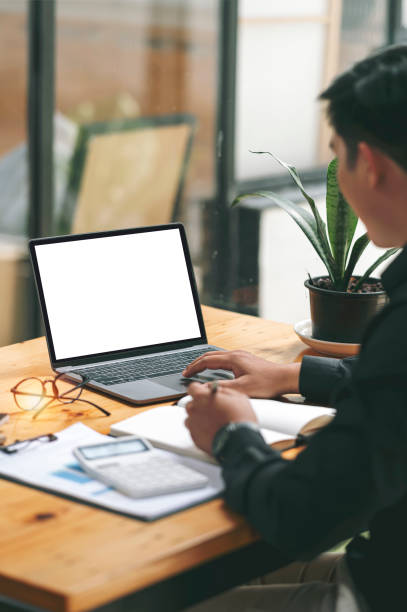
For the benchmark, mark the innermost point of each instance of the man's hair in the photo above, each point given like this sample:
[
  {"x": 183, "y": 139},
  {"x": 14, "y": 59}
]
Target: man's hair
[{"x": 369, "y": 103}]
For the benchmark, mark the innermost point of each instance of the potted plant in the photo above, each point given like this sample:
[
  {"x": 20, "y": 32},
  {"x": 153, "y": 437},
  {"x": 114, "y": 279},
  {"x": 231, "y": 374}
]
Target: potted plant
[{"x": 342, "y": 304}]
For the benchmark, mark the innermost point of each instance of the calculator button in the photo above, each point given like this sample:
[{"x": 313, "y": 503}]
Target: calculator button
[{"x": 154, "y": 476}]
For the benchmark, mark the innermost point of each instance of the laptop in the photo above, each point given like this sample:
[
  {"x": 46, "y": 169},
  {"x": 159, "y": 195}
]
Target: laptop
[{"x": 121, "y": 310}]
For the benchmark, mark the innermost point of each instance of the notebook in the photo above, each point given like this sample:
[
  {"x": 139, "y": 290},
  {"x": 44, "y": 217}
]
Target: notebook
[
  {"x": 280, "y": 422},
  {"x": 121, "y": 310}
]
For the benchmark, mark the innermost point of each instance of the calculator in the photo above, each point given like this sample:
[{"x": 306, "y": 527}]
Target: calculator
[{"x": 133, "y": 467}]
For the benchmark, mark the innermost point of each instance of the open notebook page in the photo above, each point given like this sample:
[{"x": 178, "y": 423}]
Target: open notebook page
[
  {"x": 288, "y": 418},
  {"x": 282, "y": 417},
  {"x": 164, "y": 428},
  {"x": 164, "y": 425}
]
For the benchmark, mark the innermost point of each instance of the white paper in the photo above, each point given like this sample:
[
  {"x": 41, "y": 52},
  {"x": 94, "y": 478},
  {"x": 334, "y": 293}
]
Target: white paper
[
  {"x": 287, "y": 418},
  {"x": 164, "y": 425},
  {"x": 282, "y": 417},
  {"x": 52, "y": 466}
]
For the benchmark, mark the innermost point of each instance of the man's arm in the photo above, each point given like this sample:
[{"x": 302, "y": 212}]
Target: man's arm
[
  {"x": 336, "y": 485},
  {"x": 319, "y": 376},
  {"x": 259, "y": 377}
]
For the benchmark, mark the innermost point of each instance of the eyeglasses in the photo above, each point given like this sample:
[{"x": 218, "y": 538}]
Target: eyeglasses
[
  {"x": 30, "y": 393},
  {"x": 19, "y": 445}
]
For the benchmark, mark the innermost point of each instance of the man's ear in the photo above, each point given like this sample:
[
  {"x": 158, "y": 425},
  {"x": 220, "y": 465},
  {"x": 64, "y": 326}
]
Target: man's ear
[{"x": 372, "y": 165}]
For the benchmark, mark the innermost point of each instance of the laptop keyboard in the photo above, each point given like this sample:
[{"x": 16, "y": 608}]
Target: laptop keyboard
[{"x": 137, "y": 369}]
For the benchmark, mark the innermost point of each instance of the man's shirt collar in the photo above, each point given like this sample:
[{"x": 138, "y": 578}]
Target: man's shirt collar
[{"x": 396, "y": 273}]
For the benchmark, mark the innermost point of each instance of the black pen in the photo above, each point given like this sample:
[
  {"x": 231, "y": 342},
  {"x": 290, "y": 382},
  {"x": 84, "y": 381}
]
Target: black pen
[
  {"x": 300, "y": 442},
  {"x": 303, "y": 439}
]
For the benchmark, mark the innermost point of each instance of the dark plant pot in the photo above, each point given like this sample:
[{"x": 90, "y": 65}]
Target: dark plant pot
[{"x": 338, "y": 316}]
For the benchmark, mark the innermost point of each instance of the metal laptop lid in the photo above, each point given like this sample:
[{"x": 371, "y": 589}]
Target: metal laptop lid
[{"x": 111, "y": 295}]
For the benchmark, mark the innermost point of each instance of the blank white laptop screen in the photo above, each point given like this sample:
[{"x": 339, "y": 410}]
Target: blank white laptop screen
[{"x": 117, "y": 292}]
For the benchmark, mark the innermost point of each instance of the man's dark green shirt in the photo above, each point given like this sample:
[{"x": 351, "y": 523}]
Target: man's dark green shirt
[{"x": 352, "y": 477}]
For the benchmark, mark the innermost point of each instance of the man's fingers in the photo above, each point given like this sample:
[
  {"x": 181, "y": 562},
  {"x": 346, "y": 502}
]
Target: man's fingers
[
  {"x": 195, "y": 366},
  {"x": 195, "y": 389},
  {"x": 203, "y": 392},
  {"x": 189, "y": 407},
  {"x": 210, "y": 361},
  {"x": 237, "y": 384},
  {"x": 205, "y": 355},
  {"x": 200, "y": 390}
]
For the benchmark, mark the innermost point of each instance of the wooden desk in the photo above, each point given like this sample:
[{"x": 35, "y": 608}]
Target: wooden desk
[{"x": 65, "y": 556}]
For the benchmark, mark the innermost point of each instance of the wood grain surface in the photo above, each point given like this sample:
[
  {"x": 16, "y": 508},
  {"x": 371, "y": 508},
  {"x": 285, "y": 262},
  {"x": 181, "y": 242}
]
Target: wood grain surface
[{"x": 62, "y": 555}]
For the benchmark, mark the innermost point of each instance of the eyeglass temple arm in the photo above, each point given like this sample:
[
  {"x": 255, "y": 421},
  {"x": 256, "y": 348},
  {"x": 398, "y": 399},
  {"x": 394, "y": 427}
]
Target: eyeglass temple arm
[
  {"x": 81, "y": 384},
  {"x": 105, "y": 412}
]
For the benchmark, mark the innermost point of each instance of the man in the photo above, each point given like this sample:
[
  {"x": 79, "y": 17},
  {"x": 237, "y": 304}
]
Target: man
[{"x": 353, "y": 474}]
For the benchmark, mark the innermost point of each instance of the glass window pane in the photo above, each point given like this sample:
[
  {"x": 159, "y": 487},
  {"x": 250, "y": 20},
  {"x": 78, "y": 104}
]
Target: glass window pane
[
  {"x": 283, "y": 296},
  {"x": 145, "y": 73},
  {"x": 287, "y": 53},
  {"x": 13, "y": 90},
  {"x": 14, "y": 267},
  {"x": 401, "y": 34},
  {"x": 277, "y": 85},
  {"x": 363, "y": 30}
]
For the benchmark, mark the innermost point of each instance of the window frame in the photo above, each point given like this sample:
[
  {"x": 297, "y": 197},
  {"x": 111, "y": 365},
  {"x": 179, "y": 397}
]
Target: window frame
[{"x": 233, "y": 234}]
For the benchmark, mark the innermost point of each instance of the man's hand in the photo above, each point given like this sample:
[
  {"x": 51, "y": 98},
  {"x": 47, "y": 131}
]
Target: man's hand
[
  {"x": 208, "y": 412},
  {"x": 253, "y": 376}
]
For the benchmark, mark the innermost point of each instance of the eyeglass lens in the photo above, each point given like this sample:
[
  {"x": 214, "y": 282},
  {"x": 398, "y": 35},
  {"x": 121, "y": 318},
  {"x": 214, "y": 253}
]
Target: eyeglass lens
[
  {"x": 29, "y": 393},
  {"x": 33, "y": 394}
]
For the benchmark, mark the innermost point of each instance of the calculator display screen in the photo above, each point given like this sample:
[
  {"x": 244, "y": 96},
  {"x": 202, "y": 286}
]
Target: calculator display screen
[{"x": 111, "y": 449}]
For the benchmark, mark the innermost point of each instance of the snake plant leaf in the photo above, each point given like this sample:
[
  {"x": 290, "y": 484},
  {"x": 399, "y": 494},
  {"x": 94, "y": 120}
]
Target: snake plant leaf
[
  {"x": 373, "y": 267},
  {"x": 341, "y": 220},
  {"x": 293, "y": 173},
  {"x": 303, "y": 219},
  {"x": 357, "y": 250},
  {"x": 321, "y": 227}
]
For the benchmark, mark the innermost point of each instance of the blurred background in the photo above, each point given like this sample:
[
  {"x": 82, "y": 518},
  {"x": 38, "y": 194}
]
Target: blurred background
[{"x": 118, "y": 113}]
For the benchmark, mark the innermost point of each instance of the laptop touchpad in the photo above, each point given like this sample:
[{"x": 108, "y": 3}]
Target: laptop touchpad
[
  {"x": 176, "y": 382},
  {"x": 171, "y": 380},
  {"x": 145, "y": 389}
]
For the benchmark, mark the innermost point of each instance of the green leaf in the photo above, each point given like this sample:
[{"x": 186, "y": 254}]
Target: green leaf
[
  {"x": 303, "y": 219},
  {"x": 320, "y": 225},
  {"x": 293, "y": 172},
  {"x": 357, "y": 250},
  {"x": 341, "y": 220},
  {"x": 373, "y": 267}
]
